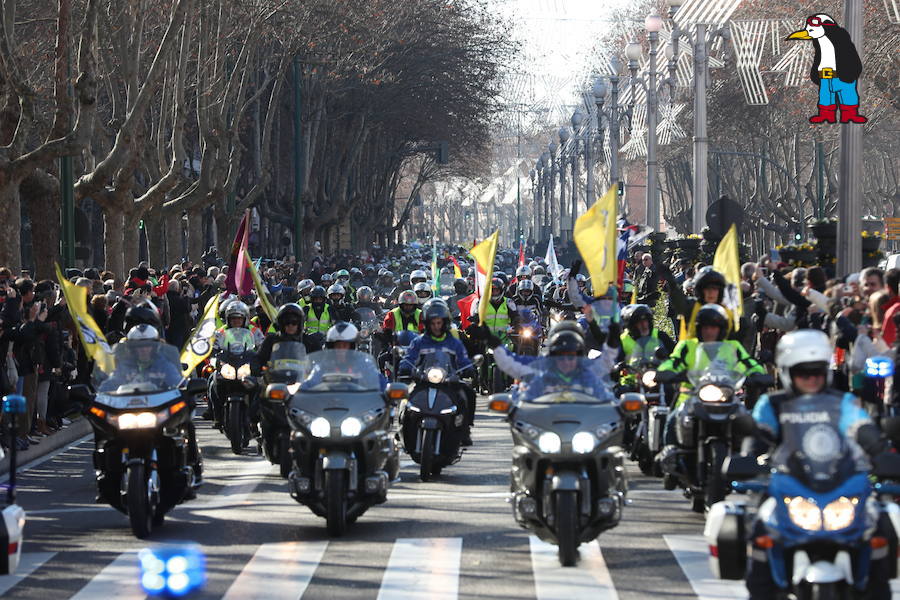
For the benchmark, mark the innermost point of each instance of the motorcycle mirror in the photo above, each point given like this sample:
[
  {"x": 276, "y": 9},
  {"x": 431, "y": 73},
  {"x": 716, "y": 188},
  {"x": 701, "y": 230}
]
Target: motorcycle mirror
[
  {"x": 277, "y": 392},
  {"x": 478, "y": 359},
  {"x": 742, "y": 467},
  {"x": 397, "y": 391},
  {"x": 500, "y": 403},
  {"x": 195, "y": 386}
]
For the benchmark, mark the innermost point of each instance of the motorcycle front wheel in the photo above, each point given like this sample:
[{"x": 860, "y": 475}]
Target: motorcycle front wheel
[
  {"x": 426, "y": 460},
  {"x": 715, "y": 481},
  {"x": 140, "y": 512},
  {"x": 236, "y": 426},
  {"x": 335, "y": 503},
  {"x": 567, "y": 527}
]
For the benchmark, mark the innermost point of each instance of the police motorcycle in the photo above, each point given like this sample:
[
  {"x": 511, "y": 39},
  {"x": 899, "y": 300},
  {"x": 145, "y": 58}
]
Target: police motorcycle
[
  {"x": 141, "y": 416},
  {"x": 285, "y": 368},
  {"x": 705, "y": 428},
  {"x": 643, "y": 435},
  {"x": 235, "y": 391},
  {"x": 344, "y": 456},
  {"x": 822, "y": 522},
  {"x": 568, "y": 480},
  {"x": 433, "y": 419},
  {"x": 366, "y": 321}
]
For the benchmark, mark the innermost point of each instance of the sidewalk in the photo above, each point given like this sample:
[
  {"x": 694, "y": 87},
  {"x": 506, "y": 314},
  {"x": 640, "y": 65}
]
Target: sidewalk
[{"x": 62, "y": 438}]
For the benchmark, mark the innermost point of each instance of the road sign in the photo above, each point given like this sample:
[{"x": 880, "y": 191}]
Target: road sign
[{"x": 892, "y": 228}]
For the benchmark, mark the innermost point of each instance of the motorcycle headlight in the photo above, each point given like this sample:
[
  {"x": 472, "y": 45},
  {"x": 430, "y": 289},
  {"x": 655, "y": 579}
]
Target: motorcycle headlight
[
  {"x": 244, "y": 371},
  {"x": 350, "y": 427},
  {"x": 143, "y": 420},
  {"x": 228, "y": 372},
  {"x": 293, "y": 388},
  {"x": 526, "y": 333},
  {"x": 839, "y": 514},
  {"x": 711, "y": 393},
  {"x": 649, "y": 379},
  {"x": 549, "y": 442},
  {"x": 320, "y": 427},
  {"x": 804, "y": 513},
  {"x": 583, "y": 442},
  {"x": 435, "y": 375}
]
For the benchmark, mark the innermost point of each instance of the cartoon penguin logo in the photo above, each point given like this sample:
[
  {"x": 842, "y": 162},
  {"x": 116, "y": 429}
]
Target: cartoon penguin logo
[{"x": 836, "y": 68}]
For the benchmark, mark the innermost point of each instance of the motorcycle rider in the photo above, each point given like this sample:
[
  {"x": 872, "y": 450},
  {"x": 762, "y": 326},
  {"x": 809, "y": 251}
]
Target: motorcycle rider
[
  {"x": 343, "y": 278},
  {"x": 406, "y": 316},
  {"x": 565, "y": 370},
  {"x": 288, "y": 322},
  {"x": 638, "y": 319},
  {"x": 303, "y": 290},
  {"x": 365, "y": 298},
  {"x": 423, "y": 291},
  {"x": 317, "y": 319},
  {"x": 803, "y": 358},
  {"x": 712, "y": 326},
  {"x": 460, "y": 290},
  {"x": 417, "y": 276},
  {"x": 436, "y": 316},
  {"x": 523, "y": 273},
  {"x": 339, "y": 309},
  {"x": 501, "y": 313},
  {"x": 237, "y": 329}
]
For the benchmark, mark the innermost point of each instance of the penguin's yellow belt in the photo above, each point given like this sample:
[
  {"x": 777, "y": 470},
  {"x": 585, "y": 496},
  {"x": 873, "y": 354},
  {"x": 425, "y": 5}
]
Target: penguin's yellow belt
[{"x": 827, "y": 73}]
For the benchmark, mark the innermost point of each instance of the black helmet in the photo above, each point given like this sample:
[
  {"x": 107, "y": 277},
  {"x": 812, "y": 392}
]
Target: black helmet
[
  {"x": 713, "y": 314},
  {"x": 460, "y": 286},
  {"x": 288, "y": 312},
  {"x": 567, "y": 325},
  {"x": 318, "y": 292},
  {"x": 436, "y": 308},
  {"x": 565, "y": 342},
  {"x": 634, "y": 314},
  {"x": 705, "y": 277},
  {"x": 497, "y": 286},
  {"x": 145, "y": 312}
]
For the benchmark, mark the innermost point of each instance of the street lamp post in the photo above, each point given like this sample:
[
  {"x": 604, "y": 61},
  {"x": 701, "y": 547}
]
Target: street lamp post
[
  {"x": 576, "y": 120},
  {"x": 548, "y": 193},
  {"x": 539, "y": 198},
  {"x": 849, "y": 238},
  {"x": 564, "y": 229},
  {"x": 653, "y": 23},
  {"x": 550, "y": 207}
]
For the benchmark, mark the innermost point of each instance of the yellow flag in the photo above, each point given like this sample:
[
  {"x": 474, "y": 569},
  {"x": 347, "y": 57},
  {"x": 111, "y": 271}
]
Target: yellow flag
[
  {"x": 260, "y": 290},
  {"x": 595, "y": 236},
  {"x": 484, "y": 254},
  {"x": 728, "y": 263},
  {"x": 92, "y": 338},
  {"x": 200, "y": 344}
]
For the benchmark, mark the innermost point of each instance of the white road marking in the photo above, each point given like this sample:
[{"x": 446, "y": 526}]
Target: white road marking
[
  {"x": 422, "y": 569},
  {"x": 29, "y": 562},
  {"x": 692, "y": 554},
  {"x": 278, "y": 572},
  {"x": 588, "y": 580},
  {"x": 120, "y": 579},
  {"x": 47, "y": 457}
]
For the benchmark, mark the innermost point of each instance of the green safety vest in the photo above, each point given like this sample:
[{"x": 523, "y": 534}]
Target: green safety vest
[
  {"x": 398, "y": 320},
  {"x": 238, "y": 335},
  {"x": 316, "y": 324},
  {"x": 628, "y": 342},
  {"x": 497, "y": 319}
]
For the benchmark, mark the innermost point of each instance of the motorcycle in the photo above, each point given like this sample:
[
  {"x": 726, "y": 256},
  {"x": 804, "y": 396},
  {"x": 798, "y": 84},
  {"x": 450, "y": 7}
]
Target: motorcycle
[
  {"x": 822, "y": 522},
  {"x": 366, "y": 321},
  {"x": 568, "y": 480},
  {"x": 285, "y": 367},
  {"x": 433, "y": 420},
  {"x": 344, "y": 456},
  {"x": 402, "y": 340},
  {"x": 705, "y": 429},
  {"x": 141, "y": 416},
  {"x": 235, "y": 390},
  {"x": 527, "y": 339},
  {"x": 643, "y": 435}
]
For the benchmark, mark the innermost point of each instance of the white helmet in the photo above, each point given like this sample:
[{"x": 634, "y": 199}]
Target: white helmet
[
  {"x": 417, "y": 276},
  {"x": 336, "y": 288},
  {"x": 237, "y": 309},
  {"x": 802, "y": 347},
  {"x": 142, "y": 331},
  {"x": 342, "y": 332},
  {"x": 425, "y": 288}
]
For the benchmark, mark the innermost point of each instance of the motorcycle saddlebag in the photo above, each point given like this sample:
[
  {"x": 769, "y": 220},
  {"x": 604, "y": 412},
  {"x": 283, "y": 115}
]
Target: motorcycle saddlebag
[{"x": 726, "y": 536}]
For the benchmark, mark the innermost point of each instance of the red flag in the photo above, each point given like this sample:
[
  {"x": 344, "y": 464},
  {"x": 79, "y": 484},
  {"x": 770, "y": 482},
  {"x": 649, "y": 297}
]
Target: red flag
[
  {"x": 521, "y": 254},
  {"x": 239, "y": 281},
  {"x": 163, "y": 286},
  {"x": 465, "y": 310}
]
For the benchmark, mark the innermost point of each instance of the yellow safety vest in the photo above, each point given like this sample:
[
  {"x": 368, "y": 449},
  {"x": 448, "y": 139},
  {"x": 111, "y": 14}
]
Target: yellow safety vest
[
  {"x": 316, "y": 324},
  {"x": 398, "y": 320},
  {"x": 497, "y": 319}
]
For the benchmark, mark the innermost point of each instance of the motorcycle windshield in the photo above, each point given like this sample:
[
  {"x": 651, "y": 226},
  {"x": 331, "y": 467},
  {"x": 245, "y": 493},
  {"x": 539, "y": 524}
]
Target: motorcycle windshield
[
  {"x": 287, "y": 359},
  {"x": 716, "y": 363},
  {"x": 143, "y": 367},
  {"x": 437, "y": 358},
  {"x": 563, "y": 380},
  {"x": 239, "y": 341},
  {"x": 366, "y": 321},
  {"x": 644, "y": 352},
  {"x": 341, "y": 371}
]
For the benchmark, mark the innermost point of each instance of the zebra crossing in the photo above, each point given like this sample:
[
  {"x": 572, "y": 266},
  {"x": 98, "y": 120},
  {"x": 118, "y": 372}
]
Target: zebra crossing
[{"x": 417, "y": 569}]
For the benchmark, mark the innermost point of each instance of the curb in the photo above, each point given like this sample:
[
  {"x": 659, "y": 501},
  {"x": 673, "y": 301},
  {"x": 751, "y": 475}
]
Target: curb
[{"x": 77, "y": 430}]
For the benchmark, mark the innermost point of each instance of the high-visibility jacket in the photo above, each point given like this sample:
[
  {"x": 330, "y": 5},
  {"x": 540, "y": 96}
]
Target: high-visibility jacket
[
  {"x": 497, "y": 318},
  {"x": 684, "y": 356},
  {"x": 410, "y": 325},
  {"x": 320, "y": 324},
  {"x": 648, "y": 343}
]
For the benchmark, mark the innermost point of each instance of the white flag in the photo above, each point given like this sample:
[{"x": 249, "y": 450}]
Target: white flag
[{"x": 552, "y": 264}]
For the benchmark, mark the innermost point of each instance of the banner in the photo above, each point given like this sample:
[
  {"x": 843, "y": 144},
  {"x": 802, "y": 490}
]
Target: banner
[
  {"x": 92, "y": 338},
  {"x": 521, "y": 253},
  {"x": 238, "y": 280},
  {"x": 727, "y": 262},
  {"x": 596, "y": 238},
  {"x": 484, "y": 254},
  {"x": 261, "y": 290},
  {"x": 457, "y": 272},
  {"x": 200, "y": 344},
  {"x": 552, "y": 263}
]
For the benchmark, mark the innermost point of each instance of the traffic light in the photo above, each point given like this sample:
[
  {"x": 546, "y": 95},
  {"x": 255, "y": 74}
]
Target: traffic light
[
  {"x": 621, "y": 189},
  {"x": 798, "y": 234}
]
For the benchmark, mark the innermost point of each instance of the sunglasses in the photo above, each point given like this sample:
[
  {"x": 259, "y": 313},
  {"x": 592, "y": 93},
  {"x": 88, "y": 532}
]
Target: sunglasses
[
  {"x": 289, "y": 323},
  {"x": 817, "y": 22},
  {"x": 807, "y": 373}
]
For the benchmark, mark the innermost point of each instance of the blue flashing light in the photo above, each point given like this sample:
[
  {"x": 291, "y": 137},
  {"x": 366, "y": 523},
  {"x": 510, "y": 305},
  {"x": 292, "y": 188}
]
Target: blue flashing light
[
  {"x": 172, "y": 571},
  {"x": 879, "y": 367}
]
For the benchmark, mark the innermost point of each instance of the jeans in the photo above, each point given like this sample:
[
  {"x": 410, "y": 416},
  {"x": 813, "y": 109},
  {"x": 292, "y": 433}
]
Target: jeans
[{"x": 834, "y": 91}]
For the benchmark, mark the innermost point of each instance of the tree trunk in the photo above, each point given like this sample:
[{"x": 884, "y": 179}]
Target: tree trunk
[
  {"x": 195, "y": 235},
  {"x": 113, "y": 242},
  {"x": 41, "y": 196},
  {"x": 131, "y": 239},
  {"x": 173, "y": 236},
  {"x": 156, "y": 234}
]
